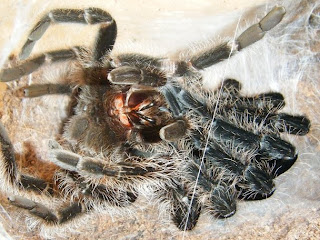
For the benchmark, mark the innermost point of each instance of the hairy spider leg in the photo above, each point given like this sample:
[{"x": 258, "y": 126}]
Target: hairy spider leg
[
  {"x": 76, "y": 208},
  {"x": 176, "y": 195},
  {"x": 220, "y": 200},
  {"x": 184, "y": 216},
  {"x": 10, "y": 173},
  {"x": 104, "y": 43},
  {"x": 137, "y": 168},
  {"x": 258, "y": 106},
  {"x": 271, "y": 149},
  {"x": 184, "y": 212},
  {"x": 253, "y": 34},
  {"x": 41, "y": 211},
  {"x": 24, "y": 183},
  {"x": 199, "y": 61},
  {"x": 262, "y": 109},
  {"x": 31, "y": 65},
  {"x": 106, "y": 36},
  {"x": 73, "y": 210}
]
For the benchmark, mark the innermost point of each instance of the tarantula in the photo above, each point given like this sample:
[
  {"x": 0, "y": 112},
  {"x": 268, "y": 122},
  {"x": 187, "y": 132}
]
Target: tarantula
[{"x": 131, "y": 119}]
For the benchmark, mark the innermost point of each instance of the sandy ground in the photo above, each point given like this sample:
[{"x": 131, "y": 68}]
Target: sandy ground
[{"x": 287, "y": 60}]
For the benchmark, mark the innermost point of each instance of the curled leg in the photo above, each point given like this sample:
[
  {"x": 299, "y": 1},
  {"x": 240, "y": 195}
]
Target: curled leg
[
  {"x": 254, "y": 176},
  {"x": 104, "y": 43},
  {"x": 105, "y": 38}
]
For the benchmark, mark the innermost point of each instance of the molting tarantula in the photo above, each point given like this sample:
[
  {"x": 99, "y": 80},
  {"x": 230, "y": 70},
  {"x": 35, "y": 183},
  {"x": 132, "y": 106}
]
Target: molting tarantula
[{"x": 139, "y": 125}]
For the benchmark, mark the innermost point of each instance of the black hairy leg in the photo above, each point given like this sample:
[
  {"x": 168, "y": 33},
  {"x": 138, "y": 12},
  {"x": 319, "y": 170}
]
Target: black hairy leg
[{"x": 237, "y": 148}]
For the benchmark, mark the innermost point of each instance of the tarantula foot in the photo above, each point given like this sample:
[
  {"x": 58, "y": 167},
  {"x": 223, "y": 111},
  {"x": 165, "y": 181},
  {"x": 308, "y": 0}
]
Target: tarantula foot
[
  {"x": 249, "y": 195},
  {"x": 34, "y": 208},
  {"x": 298, "y": 125},
  {"x": 257, "y": 31},
  {"x": 260, "y": 180},
  {"x": 276, "y": 148},
  {"x": 26, "y": 67},
  {"x": 173, "y": 131},
  {"x": 281, "y": 166},
  {"x": 222, "y": 203},
  {"x": 185, "y": 217},
  {"x": 273, "y": 18}
]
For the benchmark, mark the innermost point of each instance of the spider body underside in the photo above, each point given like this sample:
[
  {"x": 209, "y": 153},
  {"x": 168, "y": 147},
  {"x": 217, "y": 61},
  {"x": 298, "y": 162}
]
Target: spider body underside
[{"x": 133, "y": 117}]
